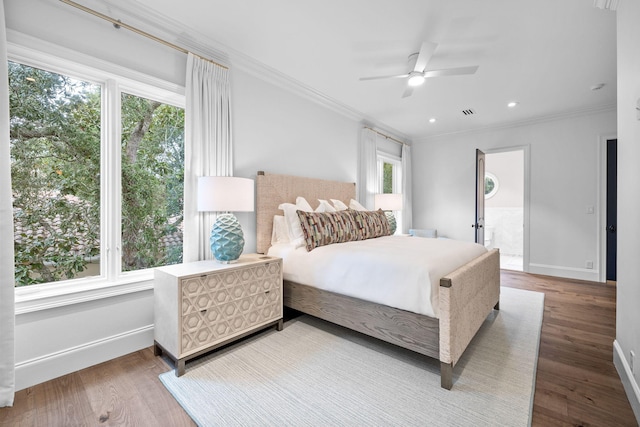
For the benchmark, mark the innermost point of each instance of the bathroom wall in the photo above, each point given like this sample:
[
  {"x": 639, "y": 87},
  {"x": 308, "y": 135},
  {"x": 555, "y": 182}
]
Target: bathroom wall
[{"x": 504, "y": 210}]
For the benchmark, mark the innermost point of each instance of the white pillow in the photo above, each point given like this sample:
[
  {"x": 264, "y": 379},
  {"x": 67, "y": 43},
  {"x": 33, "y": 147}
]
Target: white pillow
[
  {"x": 296, "y": 235},
  {"x": 354, "y": 204},
  {"x": 340, "y": 206},
  {"x": 280, "y": 233},
  {"x": 303, "y": 205},
  {"x": 325, "y": 206}
]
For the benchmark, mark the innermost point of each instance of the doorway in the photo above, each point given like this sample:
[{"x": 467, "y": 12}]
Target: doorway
[{"x": 504, "y": 216}]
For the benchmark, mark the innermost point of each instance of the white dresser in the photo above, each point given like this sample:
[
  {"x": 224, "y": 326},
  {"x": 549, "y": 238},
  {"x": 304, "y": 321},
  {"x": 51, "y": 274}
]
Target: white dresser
[{"x": 203, "y": 305}]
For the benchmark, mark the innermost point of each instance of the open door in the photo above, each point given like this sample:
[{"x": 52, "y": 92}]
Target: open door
[
  {"x": 612, "y": 207},
  {"x": 479, "y": 223}
]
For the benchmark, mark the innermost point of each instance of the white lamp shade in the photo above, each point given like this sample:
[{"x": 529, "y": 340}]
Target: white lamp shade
[
  {"x": 225, "y": 194},
  {"x": 388, "y": 202}
]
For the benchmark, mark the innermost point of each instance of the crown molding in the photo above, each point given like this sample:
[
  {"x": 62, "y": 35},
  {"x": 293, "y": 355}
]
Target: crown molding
[
  {"x": 526, "y": 122},
  {"x": 164, "y": 27}
]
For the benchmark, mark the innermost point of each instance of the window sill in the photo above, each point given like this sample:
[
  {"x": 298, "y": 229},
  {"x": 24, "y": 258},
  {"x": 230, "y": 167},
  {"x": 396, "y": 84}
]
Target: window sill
[{"x": 35, "y": 298}]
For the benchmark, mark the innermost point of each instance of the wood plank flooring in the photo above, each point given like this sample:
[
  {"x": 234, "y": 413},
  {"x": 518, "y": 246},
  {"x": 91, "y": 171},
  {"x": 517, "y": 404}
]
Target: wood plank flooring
[{"x": 576, "y": 383}]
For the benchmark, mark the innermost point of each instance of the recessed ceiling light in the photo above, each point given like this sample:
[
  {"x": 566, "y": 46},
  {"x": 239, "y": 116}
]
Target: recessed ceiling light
[
  {"x": 512, "y": 104},
  {"x": 432, "y": 120}
]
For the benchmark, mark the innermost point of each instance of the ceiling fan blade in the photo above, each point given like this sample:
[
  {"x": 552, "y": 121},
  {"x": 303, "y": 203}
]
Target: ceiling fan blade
[
  {"x": 397, "y": 76},
  {"x": 426, "y": 52},
  {"x": 451, "y": 71},
  {"x": 408, "y": 91}
]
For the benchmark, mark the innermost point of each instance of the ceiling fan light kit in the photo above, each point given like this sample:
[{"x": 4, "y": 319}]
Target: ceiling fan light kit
[
  {"x": 415, "y": 79},
  {"x": 417, "y": 76}
]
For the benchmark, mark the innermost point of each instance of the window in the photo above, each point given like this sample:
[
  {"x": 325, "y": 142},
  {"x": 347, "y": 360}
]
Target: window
[
  {"x": 389, "y": 174},
  {"x": 491, "y": 185},
  {"x": 78, "y": 194},
  {"x": 152, "y": 183},
  {"x": 390, "y": 178}
]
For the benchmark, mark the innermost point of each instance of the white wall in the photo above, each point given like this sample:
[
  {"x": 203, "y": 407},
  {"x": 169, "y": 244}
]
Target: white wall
[
  {"x": 274, "y": 130},
  {"x": 628, "y": 268},
  {"x": 564, "y": 181}
]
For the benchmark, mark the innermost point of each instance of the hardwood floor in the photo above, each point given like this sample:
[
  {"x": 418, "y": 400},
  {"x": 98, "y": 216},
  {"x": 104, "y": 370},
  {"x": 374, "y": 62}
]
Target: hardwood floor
[{"x": 576, "y": 382}]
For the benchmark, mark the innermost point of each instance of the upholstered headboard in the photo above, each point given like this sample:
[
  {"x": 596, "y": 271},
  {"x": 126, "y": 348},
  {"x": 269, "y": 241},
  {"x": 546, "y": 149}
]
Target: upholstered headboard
[{"x": 273, "y": 189}]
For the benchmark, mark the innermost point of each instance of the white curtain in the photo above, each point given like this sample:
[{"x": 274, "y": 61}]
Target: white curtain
[
  {"x": 407, "y": 211},
  {"x": 367, "y": 168},
  {"x": 7, "y": 295},
  {"x": 208, "y": 147}
]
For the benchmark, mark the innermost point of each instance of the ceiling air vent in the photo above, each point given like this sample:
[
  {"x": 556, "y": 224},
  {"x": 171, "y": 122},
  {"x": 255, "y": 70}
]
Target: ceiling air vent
[{"x": 468, "y": 112}]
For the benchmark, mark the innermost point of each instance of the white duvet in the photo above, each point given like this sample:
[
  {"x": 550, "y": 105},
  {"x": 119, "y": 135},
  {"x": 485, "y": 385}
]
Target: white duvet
[{"x": 398, "y": 271}]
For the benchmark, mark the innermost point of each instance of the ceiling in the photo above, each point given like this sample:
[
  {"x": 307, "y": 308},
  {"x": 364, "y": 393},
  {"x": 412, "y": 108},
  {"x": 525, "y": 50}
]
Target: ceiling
[{"x": 544, "y": 54}]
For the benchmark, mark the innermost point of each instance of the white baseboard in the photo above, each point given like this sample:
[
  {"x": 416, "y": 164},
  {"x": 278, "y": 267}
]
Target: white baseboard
[
  {"x": 628, "y": 380},
  {"x": 50, "y": 366},
  {"x": 568, "y": 272}
]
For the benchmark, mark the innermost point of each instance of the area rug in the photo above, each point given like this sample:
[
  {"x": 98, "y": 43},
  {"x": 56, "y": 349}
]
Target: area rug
[{"x": 317, "y": 374}]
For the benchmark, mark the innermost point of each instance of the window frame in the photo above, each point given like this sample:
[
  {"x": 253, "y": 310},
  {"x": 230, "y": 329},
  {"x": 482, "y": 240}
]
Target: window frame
[
  {"x": 396, "y": 161},
  {"x": 113, "y": 80},
  {"x": 397, "y": 171}
]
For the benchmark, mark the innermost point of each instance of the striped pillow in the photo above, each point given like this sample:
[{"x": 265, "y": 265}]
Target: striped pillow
[
  {"x": 325, "y": 228},
  {"x": 371, "y": 224}
]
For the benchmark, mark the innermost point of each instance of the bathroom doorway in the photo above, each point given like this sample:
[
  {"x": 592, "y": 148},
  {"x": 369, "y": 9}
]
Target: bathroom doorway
[{"x": 505, "y": 206}]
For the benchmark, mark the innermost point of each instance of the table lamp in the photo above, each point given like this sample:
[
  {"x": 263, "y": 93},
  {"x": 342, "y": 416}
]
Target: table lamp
[
  {"x": 389, "y": 202},
  {"x": 225, "y": 194}
]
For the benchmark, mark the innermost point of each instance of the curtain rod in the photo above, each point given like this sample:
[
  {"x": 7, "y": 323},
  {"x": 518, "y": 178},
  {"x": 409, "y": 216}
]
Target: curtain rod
[
  {"x": 386, "y": 136},
  {"x": 117, "y": 23}
]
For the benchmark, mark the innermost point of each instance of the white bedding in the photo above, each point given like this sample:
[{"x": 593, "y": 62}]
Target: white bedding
[{"x": 398, "y": 271}]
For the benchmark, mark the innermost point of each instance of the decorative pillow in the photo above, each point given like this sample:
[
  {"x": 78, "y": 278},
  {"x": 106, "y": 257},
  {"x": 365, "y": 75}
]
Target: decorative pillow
[
  {"x": 280, "y": 233},
  {"x": 325, "y": 228},
  {"x": 354, "y": 204},
  {"x": 325, "y": 206},
  {"x": 371, "y": 224},
  {"x": 340, "y": 206}
]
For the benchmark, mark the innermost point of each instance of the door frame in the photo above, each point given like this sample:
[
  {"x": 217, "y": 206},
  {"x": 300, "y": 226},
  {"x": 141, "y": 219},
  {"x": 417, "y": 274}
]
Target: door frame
[
  {"x": 478, "y": 223},
  {"x": 526, "y": 151},
  {"x": 601, "y": 238}
]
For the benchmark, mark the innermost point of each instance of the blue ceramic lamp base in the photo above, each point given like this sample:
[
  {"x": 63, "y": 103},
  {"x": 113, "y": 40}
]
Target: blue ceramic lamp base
[
  {"x": 392, "y": 221},
  {"x": 227, "y": 240}
]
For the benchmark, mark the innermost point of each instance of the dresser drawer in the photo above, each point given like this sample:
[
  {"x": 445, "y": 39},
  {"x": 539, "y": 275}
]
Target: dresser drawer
[{"x": 220, "y": 305}]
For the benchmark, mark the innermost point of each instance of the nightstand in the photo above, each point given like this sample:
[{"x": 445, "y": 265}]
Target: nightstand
[{"x": 203, "y": 305}]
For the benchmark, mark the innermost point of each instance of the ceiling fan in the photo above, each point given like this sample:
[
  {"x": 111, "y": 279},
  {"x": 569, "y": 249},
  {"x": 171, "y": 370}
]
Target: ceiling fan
[{"x": 419, "y": 73}]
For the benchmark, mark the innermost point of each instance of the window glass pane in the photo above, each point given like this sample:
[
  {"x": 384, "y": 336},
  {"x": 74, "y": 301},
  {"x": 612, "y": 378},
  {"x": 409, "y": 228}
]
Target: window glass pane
[
  {"x": 55, "y": 175},
  {"x": 152, "y": 183},
  {"x": 387, "y": 178}
]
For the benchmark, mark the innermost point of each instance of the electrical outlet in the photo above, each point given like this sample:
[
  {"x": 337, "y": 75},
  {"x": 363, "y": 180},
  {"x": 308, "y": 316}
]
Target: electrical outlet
[
  {"x": 589, "y": 264},
  {"x": 632, "y": 356}
]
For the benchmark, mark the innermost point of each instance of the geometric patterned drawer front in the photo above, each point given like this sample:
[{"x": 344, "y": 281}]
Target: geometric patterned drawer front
[{"x": 218, "y": 305}]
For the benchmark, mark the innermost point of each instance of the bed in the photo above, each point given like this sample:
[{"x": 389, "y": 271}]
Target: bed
[{"x": 465, "y": 296}]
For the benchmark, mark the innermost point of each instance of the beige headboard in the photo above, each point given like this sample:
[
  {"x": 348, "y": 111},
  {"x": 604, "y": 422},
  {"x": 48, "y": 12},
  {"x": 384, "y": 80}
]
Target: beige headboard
[{"x": 273, "y": 189}]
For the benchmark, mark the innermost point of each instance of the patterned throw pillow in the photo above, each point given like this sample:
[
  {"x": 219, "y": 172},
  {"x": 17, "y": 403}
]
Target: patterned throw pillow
[
  {"x": 371, "y": 224},
  {"x": 325, "y": 228}
]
